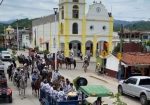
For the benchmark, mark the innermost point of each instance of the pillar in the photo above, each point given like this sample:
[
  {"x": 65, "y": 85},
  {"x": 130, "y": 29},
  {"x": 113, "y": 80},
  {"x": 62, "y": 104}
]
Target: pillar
[
  {"x": 67, "y": 30},
  {"x": 94, "y": 45},
  {"x": 110, "y": 34}
]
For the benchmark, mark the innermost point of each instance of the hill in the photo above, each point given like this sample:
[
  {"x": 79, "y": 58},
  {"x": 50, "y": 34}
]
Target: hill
[
  {"x": 27, "y": 23},
  {"x": 132, "y": 25}
]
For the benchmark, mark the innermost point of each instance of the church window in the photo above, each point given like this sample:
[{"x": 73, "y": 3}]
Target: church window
[
  {"x": 62, "y": 28},
  {"x": 91, "y": 27},
  {"x": 104, "y": 28},
  {"x": 75, "y": 28},
  {"x": 75, "y": 0},
  {"x": 75, "y": 11}
]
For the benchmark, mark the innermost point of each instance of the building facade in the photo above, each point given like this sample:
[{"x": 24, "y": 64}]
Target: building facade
[{"x": 75, "y": 29}]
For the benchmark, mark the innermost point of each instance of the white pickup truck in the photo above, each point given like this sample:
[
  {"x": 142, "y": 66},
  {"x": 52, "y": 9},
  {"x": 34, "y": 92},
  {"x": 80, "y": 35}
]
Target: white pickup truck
[
  {"x": 136, "y": 86},
  {"x": 5, "y": 55}
]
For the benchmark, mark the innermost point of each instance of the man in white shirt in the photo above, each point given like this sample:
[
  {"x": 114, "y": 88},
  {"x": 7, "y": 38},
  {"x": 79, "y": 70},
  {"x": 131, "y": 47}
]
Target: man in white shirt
[
  {"x": 61, "y": 95},
  {"x": 55, "y": 75}
]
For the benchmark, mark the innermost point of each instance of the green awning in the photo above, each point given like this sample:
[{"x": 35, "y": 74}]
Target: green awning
[{"x": 95, "y": 91}]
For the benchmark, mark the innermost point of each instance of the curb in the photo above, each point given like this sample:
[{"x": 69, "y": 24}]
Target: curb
[{"x": 98, "y": 78}]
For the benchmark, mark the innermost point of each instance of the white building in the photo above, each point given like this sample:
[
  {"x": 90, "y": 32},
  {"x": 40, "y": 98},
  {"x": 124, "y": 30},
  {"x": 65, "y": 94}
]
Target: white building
[{"x": 75, "y": 29}]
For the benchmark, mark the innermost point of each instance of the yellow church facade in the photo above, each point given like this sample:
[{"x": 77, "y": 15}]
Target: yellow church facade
[{"x": 75, "y": 29}]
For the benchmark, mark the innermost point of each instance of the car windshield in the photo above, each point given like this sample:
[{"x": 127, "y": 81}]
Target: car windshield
[
  {"x": 145, "y": 81},
  {"x": 5, "y": 52}
]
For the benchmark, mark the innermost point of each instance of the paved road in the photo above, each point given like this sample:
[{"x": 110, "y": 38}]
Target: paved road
[
  {"x": 93, "y": 78},
  {"x": 29, "y": 100},
  {"x": 71, "y": 74}
]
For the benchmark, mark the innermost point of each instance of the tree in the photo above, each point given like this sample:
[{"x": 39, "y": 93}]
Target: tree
[{"x": 117, "y": 49}]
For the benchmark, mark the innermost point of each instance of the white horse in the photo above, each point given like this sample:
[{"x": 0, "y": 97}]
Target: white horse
[{"x": 22, "y": 86}]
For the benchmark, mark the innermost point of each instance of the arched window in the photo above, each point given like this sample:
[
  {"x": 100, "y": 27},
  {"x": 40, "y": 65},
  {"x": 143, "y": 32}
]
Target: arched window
[
  {"x": 62, "y": 28},
  {"x": 75, "y": 28},
  {"x": 75, "y": 11},
  {"x": 62, "y": 12},
  {"x": 75, "y": 0}
]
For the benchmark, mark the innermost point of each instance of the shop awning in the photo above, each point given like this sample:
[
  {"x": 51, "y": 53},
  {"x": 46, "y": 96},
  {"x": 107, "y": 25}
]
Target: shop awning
[{"x": 95, "y": 91}]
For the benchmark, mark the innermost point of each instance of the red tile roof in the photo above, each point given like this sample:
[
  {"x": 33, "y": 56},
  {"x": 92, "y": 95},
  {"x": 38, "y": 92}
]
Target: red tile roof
[{"x": 136, "y": 58}]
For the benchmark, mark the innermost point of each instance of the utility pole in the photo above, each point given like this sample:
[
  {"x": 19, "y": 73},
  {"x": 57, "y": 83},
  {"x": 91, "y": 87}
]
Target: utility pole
[
  {"x": 120, "y": 53},
  {"x": 1, "y": 2},
  {"x": 55, "y": 38},
  {"x": 17, "y": 37}
]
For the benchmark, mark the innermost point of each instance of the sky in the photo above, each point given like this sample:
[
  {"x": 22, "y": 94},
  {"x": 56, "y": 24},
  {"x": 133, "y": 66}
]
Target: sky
[{"x": 131, "y": 10}]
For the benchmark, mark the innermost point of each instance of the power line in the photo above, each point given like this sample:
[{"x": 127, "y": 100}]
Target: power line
[{"x": 1, "y": 2}]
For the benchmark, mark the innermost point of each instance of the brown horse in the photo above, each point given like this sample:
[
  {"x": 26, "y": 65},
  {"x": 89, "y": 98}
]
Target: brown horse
[{"x": 36, "y": 86}]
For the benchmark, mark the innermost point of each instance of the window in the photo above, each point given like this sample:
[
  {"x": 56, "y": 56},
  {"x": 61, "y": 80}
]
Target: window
[
  {"x": 75, "y": 28},
  {"x": 75, "y": 11},
  {"x": 144, "y": 82},
  {"x": 104, "y": 28},
  {"x": 145, "y": 37},
  {"x": 91, "y": 27},
  {"x": 61, "y": 28},
  {"x": 75, "y": 0},
  {"x": 131, "y": 81},
  {"x": 62, "y": 13}
]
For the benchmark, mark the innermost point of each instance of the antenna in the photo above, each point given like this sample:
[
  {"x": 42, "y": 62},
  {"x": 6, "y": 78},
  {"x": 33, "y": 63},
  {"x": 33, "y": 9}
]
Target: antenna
[
  {"x": 94, "y": 2},
  {"x": 111, "y": 9}
]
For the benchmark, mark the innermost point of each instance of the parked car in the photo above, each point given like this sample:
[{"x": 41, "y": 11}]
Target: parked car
[
  {"x": 5, "y": 91},
  {"x": 136, "y": 86},
  {"x": 5, "y": 55}
]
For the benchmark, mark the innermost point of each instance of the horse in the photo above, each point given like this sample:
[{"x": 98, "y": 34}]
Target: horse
[
  {"x": 22, "y": 85},
  {"x": 36, "y": 86},
  {"x": 69, "y": 61},
  {"x": 61, "y": 62}
]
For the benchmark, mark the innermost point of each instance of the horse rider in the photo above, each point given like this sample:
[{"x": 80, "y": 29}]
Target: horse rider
[
  {"x": 86, "y": 61},
  {"x": 26, "y": 69},
  {"x": 16, "y": 73},
  {"x": 44, "y": 72},
  {"x": 35, "y": 76},
  {"x": 71, "y": 57},
  {"x": 9, "y": 71}
]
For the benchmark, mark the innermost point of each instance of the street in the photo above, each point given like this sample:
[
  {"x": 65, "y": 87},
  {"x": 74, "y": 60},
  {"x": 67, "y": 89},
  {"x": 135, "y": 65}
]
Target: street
[
  {"x": 92, "y": 78},
  {"x": 29, "y": 100}
]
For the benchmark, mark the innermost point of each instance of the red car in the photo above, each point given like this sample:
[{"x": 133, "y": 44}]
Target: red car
[{"x": 5, "y": 91}]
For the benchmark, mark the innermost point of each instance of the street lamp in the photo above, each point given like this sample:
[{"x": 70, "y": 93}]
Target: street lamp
[
  {"x": 55, "y": 38},
  {"x": 17, "y": 37}
]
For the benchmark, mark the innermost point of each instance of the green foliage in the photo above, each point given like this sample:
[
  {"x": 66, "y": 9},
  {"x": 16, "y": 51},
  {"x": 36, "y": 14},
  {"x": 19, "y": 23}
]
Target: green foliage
[
  {"x": 46, "y": 52},
  {"x": 148, "y": 43},
  {"x": 117, "y": 49},
  {"x": 139, "y": 26},
  {"x": 27, "y": 23},
  {"x": 118, "y": 100},
  {"x": 36, "y": 49}
]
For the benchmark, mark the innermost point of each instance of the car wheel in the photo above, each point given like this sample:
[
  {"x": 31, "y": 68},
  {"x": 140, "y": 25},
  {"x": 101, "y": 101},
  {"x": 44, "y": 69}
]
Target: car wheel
[
  {"x": 120, "y": 90},
  {"x": 143, "y": 99},
  {"x": 10, "y": 99}
]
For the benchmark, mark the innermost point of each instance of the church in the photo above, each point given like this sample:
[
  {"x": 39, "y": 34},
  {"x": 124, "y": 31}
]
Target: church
[{"x": 74, "y": 29}]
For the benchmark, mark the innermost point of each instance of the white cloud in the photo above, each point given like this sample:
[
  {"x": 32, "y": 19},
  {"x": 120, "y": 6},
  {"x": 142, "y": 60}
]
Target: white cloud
[{"x": 121, "y": 9}]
